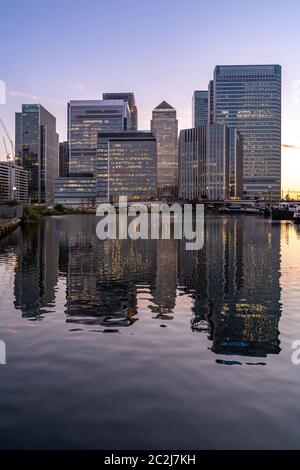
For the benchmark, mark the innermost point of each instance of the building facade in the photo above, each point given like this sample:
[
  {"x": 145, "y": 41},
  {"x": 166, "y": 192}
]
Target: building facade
[
  {"x": 130, "y": 99},
  {"x": 164, "y": 126},
  {"x": 210, "y": 163},
  {"x": 13, "y": 183},
  {"x": 249, "y": 99},
  {"x": 126, "y": 166},
  {"x": 37, "y": 150},
  {"x": 191, "y": 163},
  {"x": 75, "y": 191},
  {"x": 64, "y": 159},
  {"x": 200, "y": 108},
  {"x": 235, "y": 163},
  {"x": 85, "y": 120},
  {"x": 211, "y": 102}
]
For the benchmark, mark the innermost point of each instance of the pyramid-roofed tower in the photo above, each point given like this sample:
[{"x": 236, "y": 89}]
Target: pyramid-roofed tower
[
  {"x": 164, "y": 126},
  {"x": 164, "y": 105}
]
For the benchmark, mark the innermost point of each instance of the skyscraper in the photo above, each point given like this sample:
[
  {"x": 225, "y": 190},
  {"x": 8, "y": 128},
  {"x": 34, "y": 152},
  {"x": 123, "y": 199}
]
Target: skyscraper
[
  {"x": 126, "y": 165},
  {"x": 130, "y": 99},
  {"x": 210, "y": 162},
  {"x": 164, "y": 126},
  {"x": 200, "y": 108},
  {"x": 211, "y": 102},
  {"x": 85, "y": 120},
  {"x": 248, "y": 97},
  {"x": 37, "y": 149},
  {"x": 64, "y": 159}
]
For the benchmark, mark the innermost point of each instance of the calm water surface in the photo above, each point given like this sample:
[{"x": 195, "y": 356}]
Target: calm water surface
[{"x": 128, "y": 345}]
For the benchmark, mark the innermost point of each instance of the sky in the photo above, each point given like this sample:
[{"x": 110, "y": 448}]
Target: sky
[{"x": 53, "y": 51}]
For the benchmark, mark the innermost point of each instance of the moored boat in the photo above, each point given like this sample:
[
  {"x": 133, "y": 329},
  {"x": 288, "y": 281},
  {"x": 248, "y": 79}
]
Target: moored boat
[
  {"x": 285, "y": 211},
  {"x": 231, "y": 210},
  {"x": 296, "y": 217},
  {"x": 253, "y": 210}
]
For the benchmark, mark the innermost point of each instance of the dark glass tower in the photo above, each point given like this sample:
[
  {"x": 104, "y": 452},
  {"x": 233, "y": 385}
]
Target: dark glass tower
[
  {"x": 200, "y": 108},
  {"x": 130, "y": 99},
  {"x": 64, "y": 159},
  {"x": 37, "y": 148}
]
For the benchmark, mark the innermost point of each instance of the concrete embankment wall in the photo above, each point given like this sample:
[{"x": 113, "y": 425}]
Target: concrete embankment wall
[
  {"x": 7, "y": 226},
  {"x": 10, "y": 218}
]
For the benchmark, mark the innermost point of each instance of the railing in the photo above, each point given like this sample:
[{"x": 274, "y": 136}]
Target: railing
[{"x": 11, "y": 212}]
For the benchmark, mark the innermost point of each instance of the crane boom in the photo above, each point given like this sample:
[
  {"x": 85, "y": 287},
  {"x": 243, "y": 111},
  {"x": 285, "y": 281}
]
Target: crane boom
[
  {"x": 6, "y": 150},
  {"x": 9, "y": 138}
]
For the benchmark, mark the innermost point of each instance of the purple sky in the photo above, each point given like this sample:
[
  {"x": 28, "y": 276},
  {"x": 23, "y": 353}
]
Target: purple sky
[{"x": 53, "y": 51}]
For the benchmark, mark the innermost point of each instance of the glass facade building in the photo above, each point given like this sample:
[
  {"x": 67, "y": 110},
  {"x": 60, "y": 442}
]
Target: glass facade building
[
  {"x": 210, "y": 163},
  {"x": 75, "y": 191},
  {"x": 130, "y": 99},
  {"x": 200, "y": 108},
  {"x": 64, "y": 159},
  {"x": 37, "y": 149},
  {"x": 164, "y": 126},
  {"x": 248, "y": 97},
  {"x": 127, "y": 166},
  {"x": 211, "y": 102},
  {"x": 85, "y": 120}
]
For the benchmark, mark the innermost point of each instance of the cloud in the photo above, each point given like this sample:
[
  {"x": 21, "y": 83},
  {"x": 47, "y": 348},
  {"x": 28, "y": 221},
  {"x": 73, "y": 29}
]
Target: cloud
[
  {"x": 78, "y": 86},
  {"x": 23, "y": 95},
  {"x": 60, "y": 103},
  {"x": 287, "y": 146},
  {"x": 28, "y": 96}
]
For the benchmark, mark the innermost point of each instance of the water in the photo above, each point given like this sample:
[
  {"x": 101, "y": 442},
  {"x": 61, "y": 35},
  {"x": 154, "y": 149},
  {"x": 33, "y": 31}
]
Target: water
[{"x": 128, "y": 345}]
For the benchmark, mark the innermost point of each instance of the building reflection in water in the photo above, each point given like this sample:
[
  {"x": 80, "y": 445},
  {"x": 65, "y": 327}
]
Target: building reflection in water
[
  {"x": 36, "y": 272},
  {"x": 233, "y": 280}
]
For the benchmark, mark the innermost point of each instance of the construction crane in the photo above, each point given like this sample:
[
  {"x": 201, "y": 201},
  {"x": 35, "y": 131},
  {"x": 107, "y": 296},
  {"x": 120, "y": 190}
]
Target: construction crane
[
  {"x": 10, "y": 140},
  {"x": 6, "y": 150}
]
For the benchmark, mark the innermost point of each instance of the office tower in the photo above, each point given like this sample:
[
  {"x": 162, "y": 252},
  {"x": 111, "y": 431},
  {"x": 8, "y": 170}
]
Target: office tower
[
  {"x": 64, "y": 159},
  {"x": 75, "y": 191},
  {"x": 191, "y": 163},
  {"x": 130, "y": 99},
  {"x": 248, "y": 97},
  {"x": 13, "y": 183},
  {"x": 37, "y": 148},
  {"x": 235, "y": 163},
  {"x": 211, "y": 102},
  {"x": 85, "y": 120},
  {"x": 126, "y": 165},
  {"x": 200, "y": 108},
  {"x": 164, "y": 126},
  {"x": 210, "y": 162}
]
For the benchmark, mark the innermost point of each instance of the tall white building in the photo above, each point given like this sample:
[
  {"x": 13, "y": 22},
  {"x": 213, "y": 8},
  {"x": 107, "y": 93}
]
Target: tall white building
[{"x": 13, "y": 183}]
